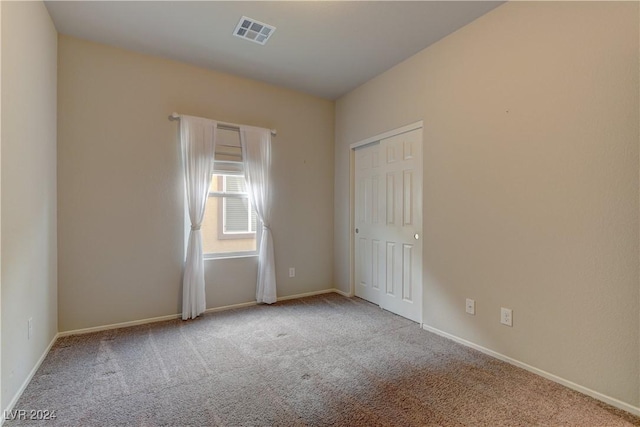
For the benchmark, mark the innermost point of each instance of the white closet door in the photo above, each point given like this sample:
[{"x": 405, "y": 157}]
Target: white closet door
[
  {"x": 388, "y": 220},
  {"x": 369, "y": 218}
]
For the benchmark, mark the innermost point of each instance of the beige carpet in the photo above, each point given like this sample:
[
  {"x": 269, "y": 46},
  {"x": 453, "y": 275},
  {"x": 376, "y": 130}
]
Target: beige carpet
[{"x": 325, "y": 360}]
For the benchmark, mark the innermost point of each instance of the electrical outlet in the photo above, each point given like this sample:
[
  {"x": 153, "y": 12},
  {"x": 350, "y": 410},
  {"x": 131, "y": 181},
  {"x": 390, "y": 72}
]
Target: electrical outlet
[
  {"x": 292, "y": 272},
  {"x": 471, "y": 306},
  {"x": 29, "y": 328},
  {"x": 506, "y": 316}
]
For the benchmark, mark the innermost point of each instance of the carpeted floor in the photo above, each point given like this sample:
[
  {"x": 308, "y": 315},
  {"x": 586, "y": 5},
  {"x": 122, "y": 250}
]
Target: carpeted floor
[{"x": 325, "y": 360}]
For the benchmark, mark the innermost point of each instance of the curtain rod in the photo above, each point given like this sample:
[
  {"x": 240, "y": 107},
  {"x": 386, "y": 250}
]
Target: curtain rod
[{"x": 221, "y": 125}]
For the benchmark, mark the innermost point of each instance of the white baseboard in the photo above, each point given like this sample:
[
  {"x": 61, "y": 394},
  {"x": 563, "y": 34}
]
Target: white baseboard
[
  {"x": 227, "y": 307},
  {"x": 27, "y": 380},
  {"x": 577, "y": 387},
  {"x": 285, "y": 298},
  {"x": 118, "y": 325},
  {"x": 343, "y": 293},
  {"x": 306, "y": 294}
]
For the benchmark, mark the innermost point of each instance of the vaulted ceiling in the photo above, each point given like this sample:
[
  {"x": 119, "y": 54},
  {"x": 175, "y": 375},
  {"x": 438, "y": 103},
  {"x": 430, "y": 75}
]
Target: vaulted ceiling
[{"x": 324, "y": 48}]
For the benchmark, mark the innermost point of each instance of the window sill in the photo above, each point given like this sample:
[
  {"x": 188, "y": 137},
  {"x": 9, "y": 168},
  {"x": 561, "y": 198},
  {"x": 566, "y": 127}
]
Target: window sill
[
  {"x": 235, "y": 236},
  {"x": 209, "y": 257}
]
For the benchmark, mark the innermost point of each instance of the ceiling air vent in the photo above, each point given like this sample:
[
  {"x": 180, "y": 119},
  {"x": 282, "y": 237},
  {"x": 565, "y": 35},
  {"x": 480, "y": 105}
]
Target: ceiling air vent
[{"x": 255, "y": 31}]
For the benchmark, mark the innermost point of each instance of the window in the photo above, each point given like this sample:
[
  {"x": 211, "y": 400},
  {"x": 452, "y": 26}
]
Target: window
[
  {"x": 236, "y": 216},
  {"x": 230, "y": 225}
]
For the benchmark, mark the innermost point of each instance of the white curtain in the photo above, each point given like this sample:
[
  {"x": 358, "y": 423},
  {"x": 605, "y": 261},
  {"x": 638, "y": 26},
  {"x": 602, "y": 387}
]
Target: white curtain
[
  {"x": 198, "y": 139},
  {"x": 256, "y": 155}
]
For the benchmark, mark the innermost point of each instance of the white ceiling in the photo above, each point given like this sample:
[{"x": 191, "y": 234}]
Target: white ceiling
[{"x": 325, "y": 48}]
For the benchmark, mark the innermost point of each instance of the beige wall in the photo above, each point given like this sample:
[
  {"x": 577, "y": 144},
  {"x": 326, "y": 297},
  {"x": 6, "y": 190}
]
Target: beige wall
[
  {"x": 530, "y": 184},
  {"x": 28, "y": 177},
  {"x": 120, "y": 186}
]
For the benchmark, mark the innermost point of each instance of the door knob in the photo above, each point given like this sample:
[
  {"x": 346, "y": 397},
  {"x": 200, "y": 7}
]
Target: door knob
[
  {"x": 416, "y": 236},
  {"x": 356, "y": 231}
]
